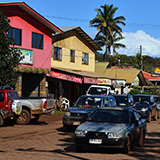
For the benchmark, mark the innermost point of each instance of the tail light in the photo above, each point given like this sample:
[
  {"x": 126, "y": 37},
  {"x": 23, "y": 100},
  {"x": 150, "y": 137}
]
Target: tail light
[{"x": 45, "y": 104}]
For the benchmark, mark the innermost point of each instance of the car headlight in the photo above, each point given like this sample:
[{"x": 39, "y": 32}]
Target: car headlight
[
  {"x": 67, "y": 114},
  {"x": 80, "y": 133},
  {"x": 144, "y": 109},
  {"x": 114, "y": 135}
]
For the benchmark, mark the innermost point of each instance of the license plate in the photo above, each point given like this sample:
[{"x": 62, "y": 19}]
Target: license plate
[
  {"x": 95, "y": 141},
  {"x": 76, "y": 123}
]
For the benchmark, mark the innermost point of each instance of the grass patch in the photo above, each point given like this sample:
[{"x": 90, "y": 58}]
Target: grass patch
[{"x": 57, "y": 112}]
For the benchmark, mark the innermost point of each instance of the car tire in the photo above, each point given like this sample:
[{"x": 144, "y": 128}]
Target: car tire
[
  {"x": 149, "y": 117},
  {"x": 141, "y": 140},
  {"x": 1, "y": 120},
  {"x": 24, "y": 118},
  {"x": 127, "y": 146},
  {"x": 78, "y": 148}
]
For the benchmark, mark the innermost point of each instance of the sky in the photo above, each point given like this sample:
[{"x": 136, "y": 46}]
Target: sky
[{"x": 142, "y": 20}]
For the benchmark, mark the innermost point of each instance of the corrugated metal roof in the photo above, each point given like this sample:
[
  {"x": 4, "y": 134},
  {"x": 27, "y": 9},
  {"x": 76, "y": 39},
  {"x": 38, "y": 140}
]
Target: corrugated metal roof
[
  {"x": 100, "y": 67},
  {"x": 128, "y": 74},
  {"x": 149, "y": 77}
]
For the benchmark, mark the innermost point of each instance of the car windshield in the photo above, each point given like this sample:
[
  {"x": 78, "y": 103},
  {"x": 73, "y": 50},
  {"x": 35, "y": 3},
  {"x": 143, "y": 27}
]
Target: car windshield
[
  {"x": 112, "y": 116},
  {"x": 97, "y": 90},
  {"x": 121, "y": 100},
  {"x": 141, "y": 99},
  {"x": 13, "y": 95},
  {"x": 88, "y": 102}
]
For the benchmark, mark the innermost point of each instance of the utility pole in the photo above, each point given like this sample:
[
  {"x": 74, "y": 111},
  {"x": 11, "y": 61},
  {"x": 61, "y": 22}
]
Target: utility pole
[{"x": 141, "y": 58}]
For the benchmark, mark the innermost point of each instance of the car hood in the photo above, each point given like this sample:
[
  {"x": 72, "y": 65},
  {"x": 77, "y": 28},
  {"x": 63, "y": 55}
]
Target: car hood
[
  {"x": 102, "y": 127},
  {"x": 81, "y": 109}
]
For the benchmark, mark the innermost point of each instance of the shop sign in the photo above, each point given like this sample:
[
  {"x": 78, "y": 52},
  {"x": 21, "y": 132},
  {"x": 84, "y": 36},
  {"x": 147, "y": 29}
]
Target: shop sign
[
  {"x": 118, "y": 83},
  {"x": 121, "y": 82},
  {"x": 28, "y": 56},
  {"x": 90, "y": 80},
  {"x": 104, "y": 81},
  {"x": 65, "y": 77}
]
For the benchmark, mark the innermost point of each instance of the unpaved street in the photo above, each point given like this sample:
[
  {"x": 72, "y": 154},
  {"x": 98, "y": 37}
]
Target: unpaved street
[{"x": 47, "y": 141}]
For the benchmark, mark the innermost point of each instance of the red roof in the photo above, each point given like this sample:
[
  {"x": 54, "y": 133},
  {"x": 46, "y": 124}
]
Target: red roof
[
  {"x": 33, "y": 13},
  {"x": 150, "y": 77}
]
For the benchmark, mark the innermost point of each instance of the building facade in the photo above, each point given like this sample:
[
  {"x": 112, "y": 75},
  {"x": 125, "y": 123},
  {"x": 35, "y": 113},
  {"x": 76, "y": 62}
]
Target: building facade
[{"x": 32, "y": 34}]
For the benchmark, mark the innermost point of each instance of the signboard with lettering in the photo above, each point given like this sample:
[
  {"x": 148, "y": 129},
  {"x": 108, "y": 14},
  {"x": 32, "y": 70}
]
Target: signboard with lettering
[
  {"x": 65, "y": 77},
  {"x": 104, "y": 81},
  {"x": 28, "y": 56},
  {"x": 90, "y": 80}
]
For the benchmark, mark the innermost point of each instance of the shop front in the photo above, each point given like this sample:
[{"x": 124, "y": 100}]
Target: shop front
[{"x": 69, "y": 84}]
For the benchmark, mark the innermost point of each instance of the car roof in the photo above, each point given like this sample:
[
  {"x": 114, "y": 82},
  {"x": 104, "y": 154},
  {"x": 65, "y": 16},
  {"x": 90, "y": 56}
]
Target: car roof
[
  {"x": 119, "y": 95},
  {"x": 98, "y": 96},
  {"x": 117, "y": 108},
  {"x": 148, "y": 95}
]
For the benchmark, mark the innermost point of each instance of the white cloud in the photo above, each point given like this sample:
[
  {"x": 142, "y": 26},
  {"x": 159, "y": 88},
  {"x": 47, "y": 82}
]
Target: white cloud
[{"x": 150, "y": 45}]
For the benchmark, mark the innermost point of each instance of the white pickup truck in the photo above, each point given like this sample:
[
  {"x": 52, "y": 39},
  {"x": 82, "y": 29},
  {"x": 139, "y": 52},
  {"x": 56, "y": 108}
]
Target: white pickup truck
[{"x": 32, "y": 108}]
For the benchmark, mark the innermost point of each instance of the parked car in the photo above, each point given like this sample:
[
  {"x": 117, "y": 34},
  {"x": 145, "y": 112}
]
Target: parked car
[
  {"x": 157, "y": 99},
  {"x": 33, "y": 108},
  {"x": 98, "y": 90},
  {"x": 124, "y": 100},
  {"x": 85, "y": 105},
  {"x": 10, "y": 106},
  {"x": 146, "y": 106},
  {"x": 112, "y": 127}
]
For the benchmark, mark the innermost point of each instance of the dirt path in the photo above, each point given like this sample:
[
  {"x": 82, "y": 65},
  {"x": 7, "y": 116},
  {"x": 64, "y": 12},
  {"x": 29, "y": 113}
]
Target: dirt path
[{"x": 46, "y": 140}]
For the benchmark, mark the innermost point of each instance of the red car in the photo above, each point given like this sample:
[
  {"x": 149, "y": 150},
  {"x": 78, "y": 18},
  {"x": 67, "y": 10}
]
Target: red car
[{"x": 10, "y": 106}]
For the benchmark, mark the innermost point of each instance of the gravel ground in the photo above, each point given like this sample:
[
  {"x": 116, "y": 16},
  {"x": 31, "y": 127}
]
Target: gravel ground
[{"x": 46, "y": 140}]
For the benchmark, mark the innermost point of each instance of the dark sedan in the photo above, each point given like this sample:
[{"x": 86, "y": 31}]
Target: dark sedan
[
  {"x": 124, "y": 100},
  {"x": 146, "y": 106},
  {"x": 112, "y": 127},
  {"x": 84, "y": 106}
]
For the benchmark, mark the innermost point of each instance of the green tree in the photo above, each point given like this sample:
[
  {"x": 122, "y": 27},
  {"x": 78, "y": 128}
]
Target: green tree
[
  {"x": 9, "y": 56},
  {"x": 106, "y": 25}
]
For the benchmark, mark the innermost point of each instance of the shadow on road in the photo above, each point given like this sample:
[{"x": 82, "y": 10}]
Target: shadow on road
[{"x": 58, "y": 151}]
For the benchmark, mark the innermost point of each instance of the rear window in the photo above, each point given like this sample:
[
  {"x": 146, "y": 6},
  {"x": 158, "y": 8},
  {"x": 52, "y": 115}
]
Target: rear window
[
  {"x": 13, "y": 95},
  {"x": 97, "y": 90},
  {"x": 1, "y": 96}
]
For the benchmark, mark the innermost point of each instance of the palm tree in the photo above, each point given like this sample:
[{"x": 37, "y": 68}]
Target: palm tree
[
  {"x": 106, "y": 24},
  {"x": 101, "y": 40}
]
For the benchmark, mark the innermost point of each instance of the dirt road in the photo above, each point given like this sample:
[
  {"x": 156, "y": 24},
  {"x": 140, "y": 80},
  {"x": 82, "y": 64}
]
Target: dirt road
[{"x": 47, "y": 141}]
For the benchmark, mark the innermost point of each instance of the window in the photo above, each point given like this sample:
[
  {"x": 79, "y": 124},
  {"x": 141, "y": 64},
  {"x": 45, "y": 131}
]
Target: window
[
  {"x": 57, "y": 55},
  {"x": 72, "y": 55},
  {"x": 84, "y": 58},
  {"x": 16, "y": 34},
  {"x": 37, "y": 40}
]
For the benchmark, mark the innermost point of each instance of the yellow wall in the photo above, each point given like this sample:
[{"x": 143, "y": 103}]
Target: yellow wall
[{"x": 74, "y": 43}]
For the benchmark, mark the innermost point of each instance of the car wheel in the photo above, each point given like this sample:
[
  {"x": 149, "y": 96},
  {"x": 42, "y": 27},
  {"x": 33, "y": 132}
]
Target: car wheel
[
  {"x": 1, "y": 120},
  {"x": 149, "y": 117},
  {"x": 78, "y": 148},
  {"x": 127, "y": 146},
  {"x": 24, "y": 118},
  {"x": 155, "y": 117},
  {"x": 141, "y": 140}
]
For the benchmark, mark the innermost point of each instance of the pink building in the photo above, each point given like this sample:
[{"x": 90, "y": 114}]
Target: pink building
[{"x": 33, "y": 36}]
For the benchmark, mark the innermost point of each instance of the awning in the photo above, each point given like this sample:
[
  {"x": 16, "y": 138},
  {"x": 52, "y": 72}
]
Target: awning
[{"x": 79, "y": 76}]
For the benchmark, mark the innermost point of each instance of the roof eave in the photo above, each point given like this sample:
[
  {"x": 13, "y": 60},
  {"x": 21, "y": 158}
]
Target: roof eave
[{"x": 35, "y": 14}]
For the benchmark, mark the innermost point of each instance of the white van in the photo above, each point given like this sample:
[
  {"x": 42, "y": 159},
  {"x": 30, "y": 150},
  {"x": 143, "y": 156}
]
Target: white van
[{"x": 98, "y": 90}]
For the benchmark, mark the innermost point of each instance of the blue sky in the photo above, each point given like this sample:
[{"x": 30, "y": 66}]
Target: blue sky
[{"x": 142, "y": 20}]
